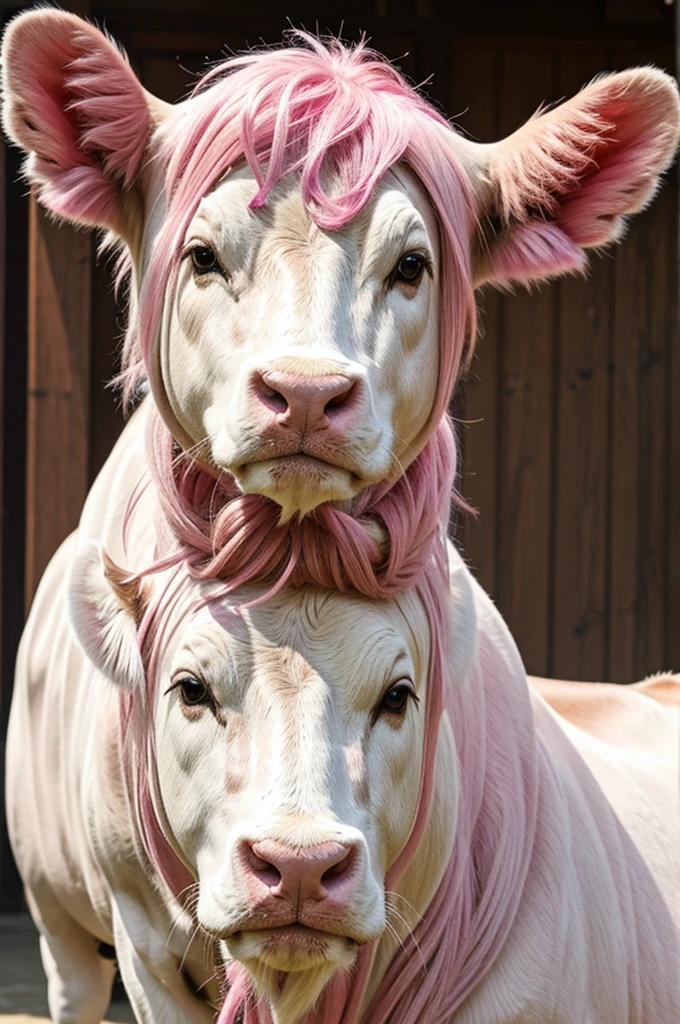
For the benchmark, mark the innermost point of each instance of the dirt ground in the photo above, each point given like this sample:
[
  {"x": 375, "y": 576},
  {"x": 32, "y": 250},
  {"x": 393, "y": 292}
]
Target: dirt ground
[{"x": 23, "y": 990}]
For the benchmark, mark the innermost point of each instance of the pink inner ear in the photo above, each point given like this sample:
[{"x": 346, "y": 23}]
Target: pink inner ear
[
  {"x": 569, "y": 177},
  {"x": 623, "y": 183},
  {"x": 534, "y": 251},
  {"x": 78, "y": 108}
]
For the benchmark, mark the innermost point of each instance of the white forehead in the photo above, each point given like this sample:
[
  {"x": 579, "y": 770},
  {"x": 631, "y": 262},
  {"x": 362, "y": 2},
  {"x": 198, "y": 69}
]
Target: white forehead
[
  {"x": 343, "y": 639},
  {"x": 399, "y": 211}
]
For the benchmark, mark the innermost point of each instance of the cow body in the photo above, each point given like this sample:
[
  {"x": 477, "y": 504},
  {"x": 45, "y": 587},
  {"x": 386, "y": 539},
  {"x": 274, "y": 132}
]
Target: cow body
[{"x": 600, "y": 906}]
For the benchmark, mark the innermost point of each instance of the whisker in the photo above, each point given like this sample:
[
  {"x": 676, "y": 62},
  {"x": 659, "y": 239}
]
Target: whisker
[
  {"x": 186, "y": 908},
  {"x": 213, "y": 977},
  {"x": 397, "y": 895},
  {"x": 409, "y": 931},
  {"x": 188, "y": 946}
]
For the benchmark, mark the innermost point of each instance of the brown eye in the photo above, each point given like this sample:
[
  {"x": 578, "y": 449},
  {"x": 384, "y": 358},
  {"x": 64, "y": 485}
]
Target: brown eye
[
  {"x": 409, "y": 268},
  {"x": 395, "y": 700},
  {"x": 193, "y": 692},
  {"x": 204, "y": 259}
]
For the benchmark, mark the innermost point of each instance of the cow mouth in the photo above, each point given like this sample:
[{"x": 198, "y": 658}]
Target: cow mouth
[
  {"x": 283, "y": 468},
  {"x": 298, "y": 481},
  {"x": 302, "y": 459},
  {"x": 292, "y": 947}
]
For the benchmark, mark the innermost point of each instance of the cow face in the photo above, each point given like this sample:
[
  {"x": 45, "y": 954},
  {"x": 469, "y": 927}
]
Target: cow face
[
  {"x": 304, "y": 360},
  {"x": 288, "y": 739}
]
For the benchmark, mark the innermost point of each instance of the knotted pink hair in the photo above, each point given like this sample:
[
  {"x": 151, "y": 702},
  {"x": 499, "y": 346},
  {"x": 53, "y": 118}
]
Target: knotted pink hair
[{"x": 379, "y": 550}]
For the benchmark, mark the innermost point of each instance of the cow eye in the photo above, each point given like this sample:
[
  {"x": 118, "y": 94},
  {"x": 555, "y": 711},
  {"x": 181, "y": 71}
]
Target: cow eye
[
  {"x": 409, "y": 269},
  {"x": 395, "y": 701},
  {"x": 194, "y": 692},
  {"x": 204, "y": 259}
]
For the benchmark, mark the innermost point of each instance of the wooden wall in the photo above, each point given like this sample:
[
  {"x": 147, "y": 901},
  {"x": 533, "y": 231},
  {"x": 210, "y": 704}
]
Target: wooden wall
[{"x": 570, "y": 434}]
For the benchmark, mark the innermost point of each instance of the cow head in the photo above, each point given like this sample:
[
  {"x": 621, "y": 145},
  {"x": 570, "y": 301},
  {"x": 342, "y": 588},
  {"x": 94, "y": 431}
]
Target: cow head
[
  {"x": 304, "y": 234},
  {"x": 288, "y": 738}
]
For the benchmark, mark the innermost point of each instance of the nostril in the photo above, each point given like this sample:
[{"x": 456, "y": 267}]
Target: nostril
[
  {"x": 266, "y": 872},
  {"x": 340, "y": 401},
  {"x": 338, "y": 873},
  {"x": 269, "y": 396}
]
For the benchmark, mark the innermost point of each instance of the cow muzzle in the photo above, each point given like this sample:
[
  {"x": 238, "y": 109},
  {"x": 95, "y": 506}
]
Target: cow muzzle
[
  {"x": 306, "y": 905},
  {"x": 312, "y": 433}
]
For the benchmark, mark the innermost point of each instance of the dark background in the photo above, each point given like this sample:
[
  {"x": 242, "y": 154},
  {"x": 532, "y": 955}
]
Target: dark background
[{"x": 568, "y": 424}]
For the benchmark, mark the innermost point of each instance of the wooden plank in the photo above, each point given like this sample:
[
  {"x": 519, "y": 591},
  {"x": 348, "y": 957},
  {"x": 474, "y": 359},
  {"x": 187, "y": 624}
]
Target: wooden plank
[
  {"x": 643, "y": 328},
  {"x": 579, "y": 612},
  {"x": 3, "y": 343},
  {"x": 60, "y": 261},
  {"x": 624, "y": 467},
  {"x": 106, "y": 416},
  {"x": 524, "y": 576},
  {"x": 655, "y": 250},
  {"x": 559, "y": 19},
  {"x": 475, "y": 87},
  {"x": 13, "y": 325}
]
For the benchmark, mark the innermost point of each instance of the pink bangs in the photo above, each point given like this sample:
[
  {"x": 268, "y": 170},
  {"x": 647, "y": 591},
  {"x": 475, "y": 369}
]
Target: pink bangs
[{"x": 311, "y": 111}]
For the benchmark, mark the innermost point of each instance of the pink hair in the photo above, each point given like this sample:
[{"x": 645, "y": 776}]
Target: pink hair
[{"x": 378, "y": 550}]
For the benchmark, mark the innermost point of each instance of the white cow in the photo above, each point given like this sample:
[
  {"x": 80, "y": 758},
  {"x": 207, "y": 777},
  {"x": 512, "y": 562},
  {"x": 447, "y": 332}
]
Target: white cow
[
  {"x": 304, "y": 235},
  {"x": 232, "y": 798},
  {"x": 270, "y": 754}
]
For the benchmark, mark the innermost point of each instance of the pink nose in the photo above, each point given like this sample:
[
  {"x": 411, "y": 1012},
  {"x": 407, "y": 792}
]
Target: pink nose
[
  {"x": 305, "y": 873},
  {"x": 305, "y": 403}
]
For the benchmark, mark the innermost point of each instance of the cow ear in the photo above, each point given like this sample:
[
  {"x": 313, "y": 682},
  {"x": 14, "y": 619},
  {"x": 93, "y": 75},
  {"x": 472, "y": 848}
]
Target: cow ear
[
  {"x": 568, "y": 179},
  {"x": 106, "y": 608},
  {"x": 72, "y": 102}
]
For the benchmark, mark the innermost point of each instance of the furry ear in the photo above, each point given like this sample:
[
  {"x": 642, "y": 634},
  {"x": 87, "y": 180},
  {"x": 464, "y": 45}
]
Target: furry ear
[
  {"x": 567, "y": 180},
  {"x": 106, "y": 609},
  {"x": 72, "y": 102}
]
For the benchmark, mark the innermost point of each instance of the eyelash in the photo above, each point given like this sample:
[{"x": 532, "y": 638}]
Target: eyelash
[
  {"x": 426, "y": 266},
  {"x": 381, "y": 708},
  {"x": 214, "y": 268},
  {"x": 207, "y": 700}
]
